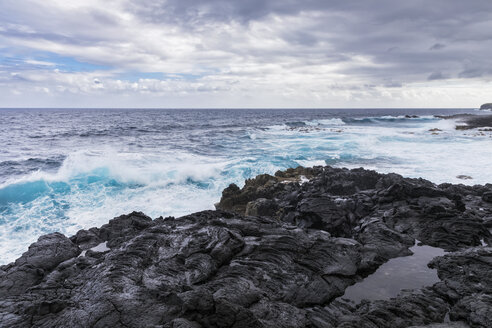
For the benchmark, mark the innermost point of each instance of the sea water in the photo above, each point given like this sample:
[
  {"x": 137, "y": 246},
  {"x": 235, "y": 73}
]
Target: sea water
[
  {"x": 68, "y": 169},
  {"x": 407, "y": 272}
]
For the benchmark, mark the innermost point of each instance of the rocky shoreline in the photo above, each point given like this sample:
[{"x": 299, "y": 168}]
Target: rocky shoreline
[
  {"x": 278, "y": 252},
  {"x": 480, "y": 121},
  {"x": 486, "y": 106},
  {"x": 470, "y": 121}
]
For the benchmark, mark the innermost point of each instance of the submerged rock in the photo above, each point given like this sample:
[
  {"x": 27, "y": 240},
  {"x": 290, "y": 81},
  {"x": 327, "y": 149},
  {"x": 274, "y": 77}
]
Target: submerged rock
[{"x": 277, "y": 253}]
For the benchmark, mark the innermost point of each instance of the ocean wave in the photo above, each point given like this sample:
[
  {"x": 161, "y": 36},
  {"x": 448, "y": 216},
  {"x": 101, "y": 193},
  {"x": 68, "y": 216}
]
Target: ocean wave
[
  {"x": 331, "y": 121},
  {"x": 21, "y": 167},
  {"x": 126, "y": 168},
  {"x": 91, "y": 187},
  {"x": 295, "y": 124},
  {"x": 317, "y": 124},
  {"x": 389, "y": 119},
  {"x": 170, "y": 173},
  {"x": 311, "y": 163}
]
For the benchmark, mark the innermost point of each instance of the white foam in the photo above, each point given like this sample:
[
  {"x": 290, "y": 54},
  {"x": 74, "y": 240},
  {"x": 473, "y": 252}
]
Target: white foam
[
  {"x": 413, "y": 149},
  {"x": 303, "y": 179},
  {"x": 138, "y": 168},
  {"x": 100, "y": 248},
  {"x": 332, "y": 121},
  {"x": 311, "y": 163},
  {"x": 169, "y": 182}
]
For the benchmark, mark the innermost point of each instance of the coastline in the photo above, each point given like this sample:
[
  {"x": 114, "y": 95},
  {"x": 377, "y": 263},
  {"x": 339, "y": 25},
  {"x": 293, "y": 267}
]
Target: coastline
[
  {"x": 56, "y": 178},
  {"x": 278, "y": 252},
  {"x": 470, "y": 121},
  {"x": 245, "y": 164},
  {"x": 480, "y": 121}
]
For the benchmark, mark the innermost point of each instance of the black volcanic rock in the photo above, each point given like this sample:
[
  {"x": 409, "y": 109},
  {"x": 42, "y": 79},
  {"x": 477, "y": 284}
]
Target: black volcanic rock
[
  {"x": 33, "y": 266},
  {"x": 210, "y": 268},
  {"x": 486, "y": 106},
  {"x": 467, "y": 283},
  {"x": 342, "y": 202},
  {"x": 477, "y": 121},
  {"x": 470, "y": 121},
  {"x": 307, "y": 236}
]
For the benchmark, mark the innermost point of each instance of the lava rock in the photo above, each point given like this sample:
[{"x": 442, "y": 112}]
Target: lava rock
[
  {"x": 286, "y": 263},
  {"x": 261, "y": 207},
  {"x": 487, "y": 197},
  {"x": 30, "y": 269}
]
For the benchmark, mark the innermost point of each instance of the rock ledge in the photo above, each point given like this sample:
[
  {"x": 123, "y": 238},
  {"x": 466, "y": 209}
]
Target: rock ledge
[{"x": 276, "y": 253}]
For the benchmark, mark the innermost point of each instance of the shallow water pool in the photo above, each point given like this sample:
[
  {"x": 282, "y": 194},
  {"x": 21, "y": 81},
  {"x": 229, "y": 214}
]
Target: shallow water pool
[{"x": 408, "y": 272}]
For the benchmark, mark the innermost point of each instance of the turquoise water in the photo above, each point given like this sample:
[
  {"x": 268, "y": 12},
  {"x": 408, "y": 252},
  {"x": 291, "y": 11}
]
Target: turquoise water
[{"x": 63, "y": 170}]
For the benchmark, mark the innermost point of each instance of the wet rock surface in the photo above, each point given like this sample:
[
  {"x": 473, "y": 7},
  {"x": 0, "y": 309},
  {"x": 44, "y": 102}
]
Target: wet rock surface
[{"x": 278, "y": 252}]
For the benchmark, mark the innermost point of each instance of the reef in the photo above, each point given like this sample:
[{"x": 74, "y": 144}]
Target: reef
[{"x": 278, "y": 252}]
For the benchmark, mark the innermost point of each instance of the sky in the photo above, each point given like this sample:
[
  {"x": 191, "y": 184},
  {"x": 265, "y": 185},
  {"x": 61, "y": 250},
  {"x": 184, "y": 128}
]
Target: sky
[{"x": 248, "y": 53}]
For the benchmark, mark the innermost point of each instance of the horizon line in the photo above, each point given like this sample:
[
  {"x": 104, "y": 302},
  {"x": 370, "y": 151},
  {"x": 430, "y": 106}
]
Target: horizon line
[{"x": 267, "y": 108}]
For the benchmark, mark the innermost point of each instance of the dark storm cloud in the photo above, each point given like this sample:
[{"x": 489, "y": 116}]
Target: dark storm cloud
[
  {"x": 437, "y": 46},
  {"x": 412, "y": 30},
  {"x": 436, "y": 76},
  {"x": 243, "y": 45},
  {"x": 460, "y": 30},
  {"x": 245, "y": 11}
]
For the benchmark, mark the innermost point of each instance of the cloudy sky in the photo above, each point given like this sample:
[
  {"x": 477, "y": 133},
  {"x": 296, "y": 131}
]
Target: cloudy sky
[{"x": 248, "y": 53}]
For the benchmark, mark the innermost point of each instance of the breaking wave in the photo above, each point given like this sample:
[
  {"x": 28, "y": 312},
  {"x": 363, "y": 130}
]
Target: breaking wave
[{"x": 139, "y": 164}]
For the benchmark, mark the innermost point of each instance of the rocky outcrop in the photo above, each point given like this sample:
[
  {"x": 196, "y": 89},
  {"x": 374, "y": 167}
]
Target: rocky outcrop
[
  {"x": 469, "y": 121},
  {"x": 361, "y": 203},
  {"x": 475, "y": 122},
  {"x": 278, "y": 252},
  {"x": 486, "y": 106}
]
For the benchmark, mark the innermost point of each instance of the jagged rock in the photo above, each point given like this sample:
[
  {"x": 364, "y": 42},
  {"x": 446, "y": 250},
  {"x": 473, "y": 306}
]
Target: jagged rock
[
  {"x": 457, "y": 324},
  {"x": 285, "y": 264},
  {"x": 261, "y": 207},
  {"x": 424, "y": 307},
  {"x": 475, "y": 309},
  {"x": 206, "y": 269},
  {"x": 466, "y": 272},
  {"x": 487, "y": 196},
  {"x": 30, "y": 269},
  {"x": 476, "y": 121},
  {"x": 338, "y": 200}
]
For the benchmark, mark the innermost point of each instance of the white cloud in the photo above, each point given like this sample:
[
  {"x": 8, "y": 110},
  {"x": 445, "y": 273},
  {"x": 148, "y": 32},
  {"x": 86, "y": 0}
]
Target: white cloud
[
  {"x": 317, "y": 54},
  {"x": 39, "y": 62}
]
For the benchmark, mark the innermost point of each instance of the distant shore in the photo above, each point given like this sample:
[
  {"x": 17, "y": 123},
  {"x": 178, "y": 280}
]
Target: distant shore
[{"x": 470, "y": 121}]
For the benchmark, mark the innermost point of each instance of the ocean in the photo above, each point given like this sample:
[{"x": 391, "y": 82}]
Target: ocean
[{"x": 70, "y": 169}]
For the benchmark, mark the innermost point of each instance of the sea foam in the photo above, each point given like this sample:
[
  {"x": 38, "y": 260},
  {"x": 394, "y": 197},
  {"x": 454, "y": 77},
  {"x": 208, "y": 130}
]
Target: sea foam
[{"x": 128, "y": 160}]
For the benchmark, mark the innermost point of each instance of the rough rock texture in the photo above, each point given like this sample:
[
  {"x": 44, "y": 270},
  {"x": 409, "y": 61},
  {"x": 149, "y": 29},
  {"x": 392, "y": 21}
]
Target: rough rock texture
[
  {"x": 277, "y": 253},
  {"x": 361, "y": 204}
]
